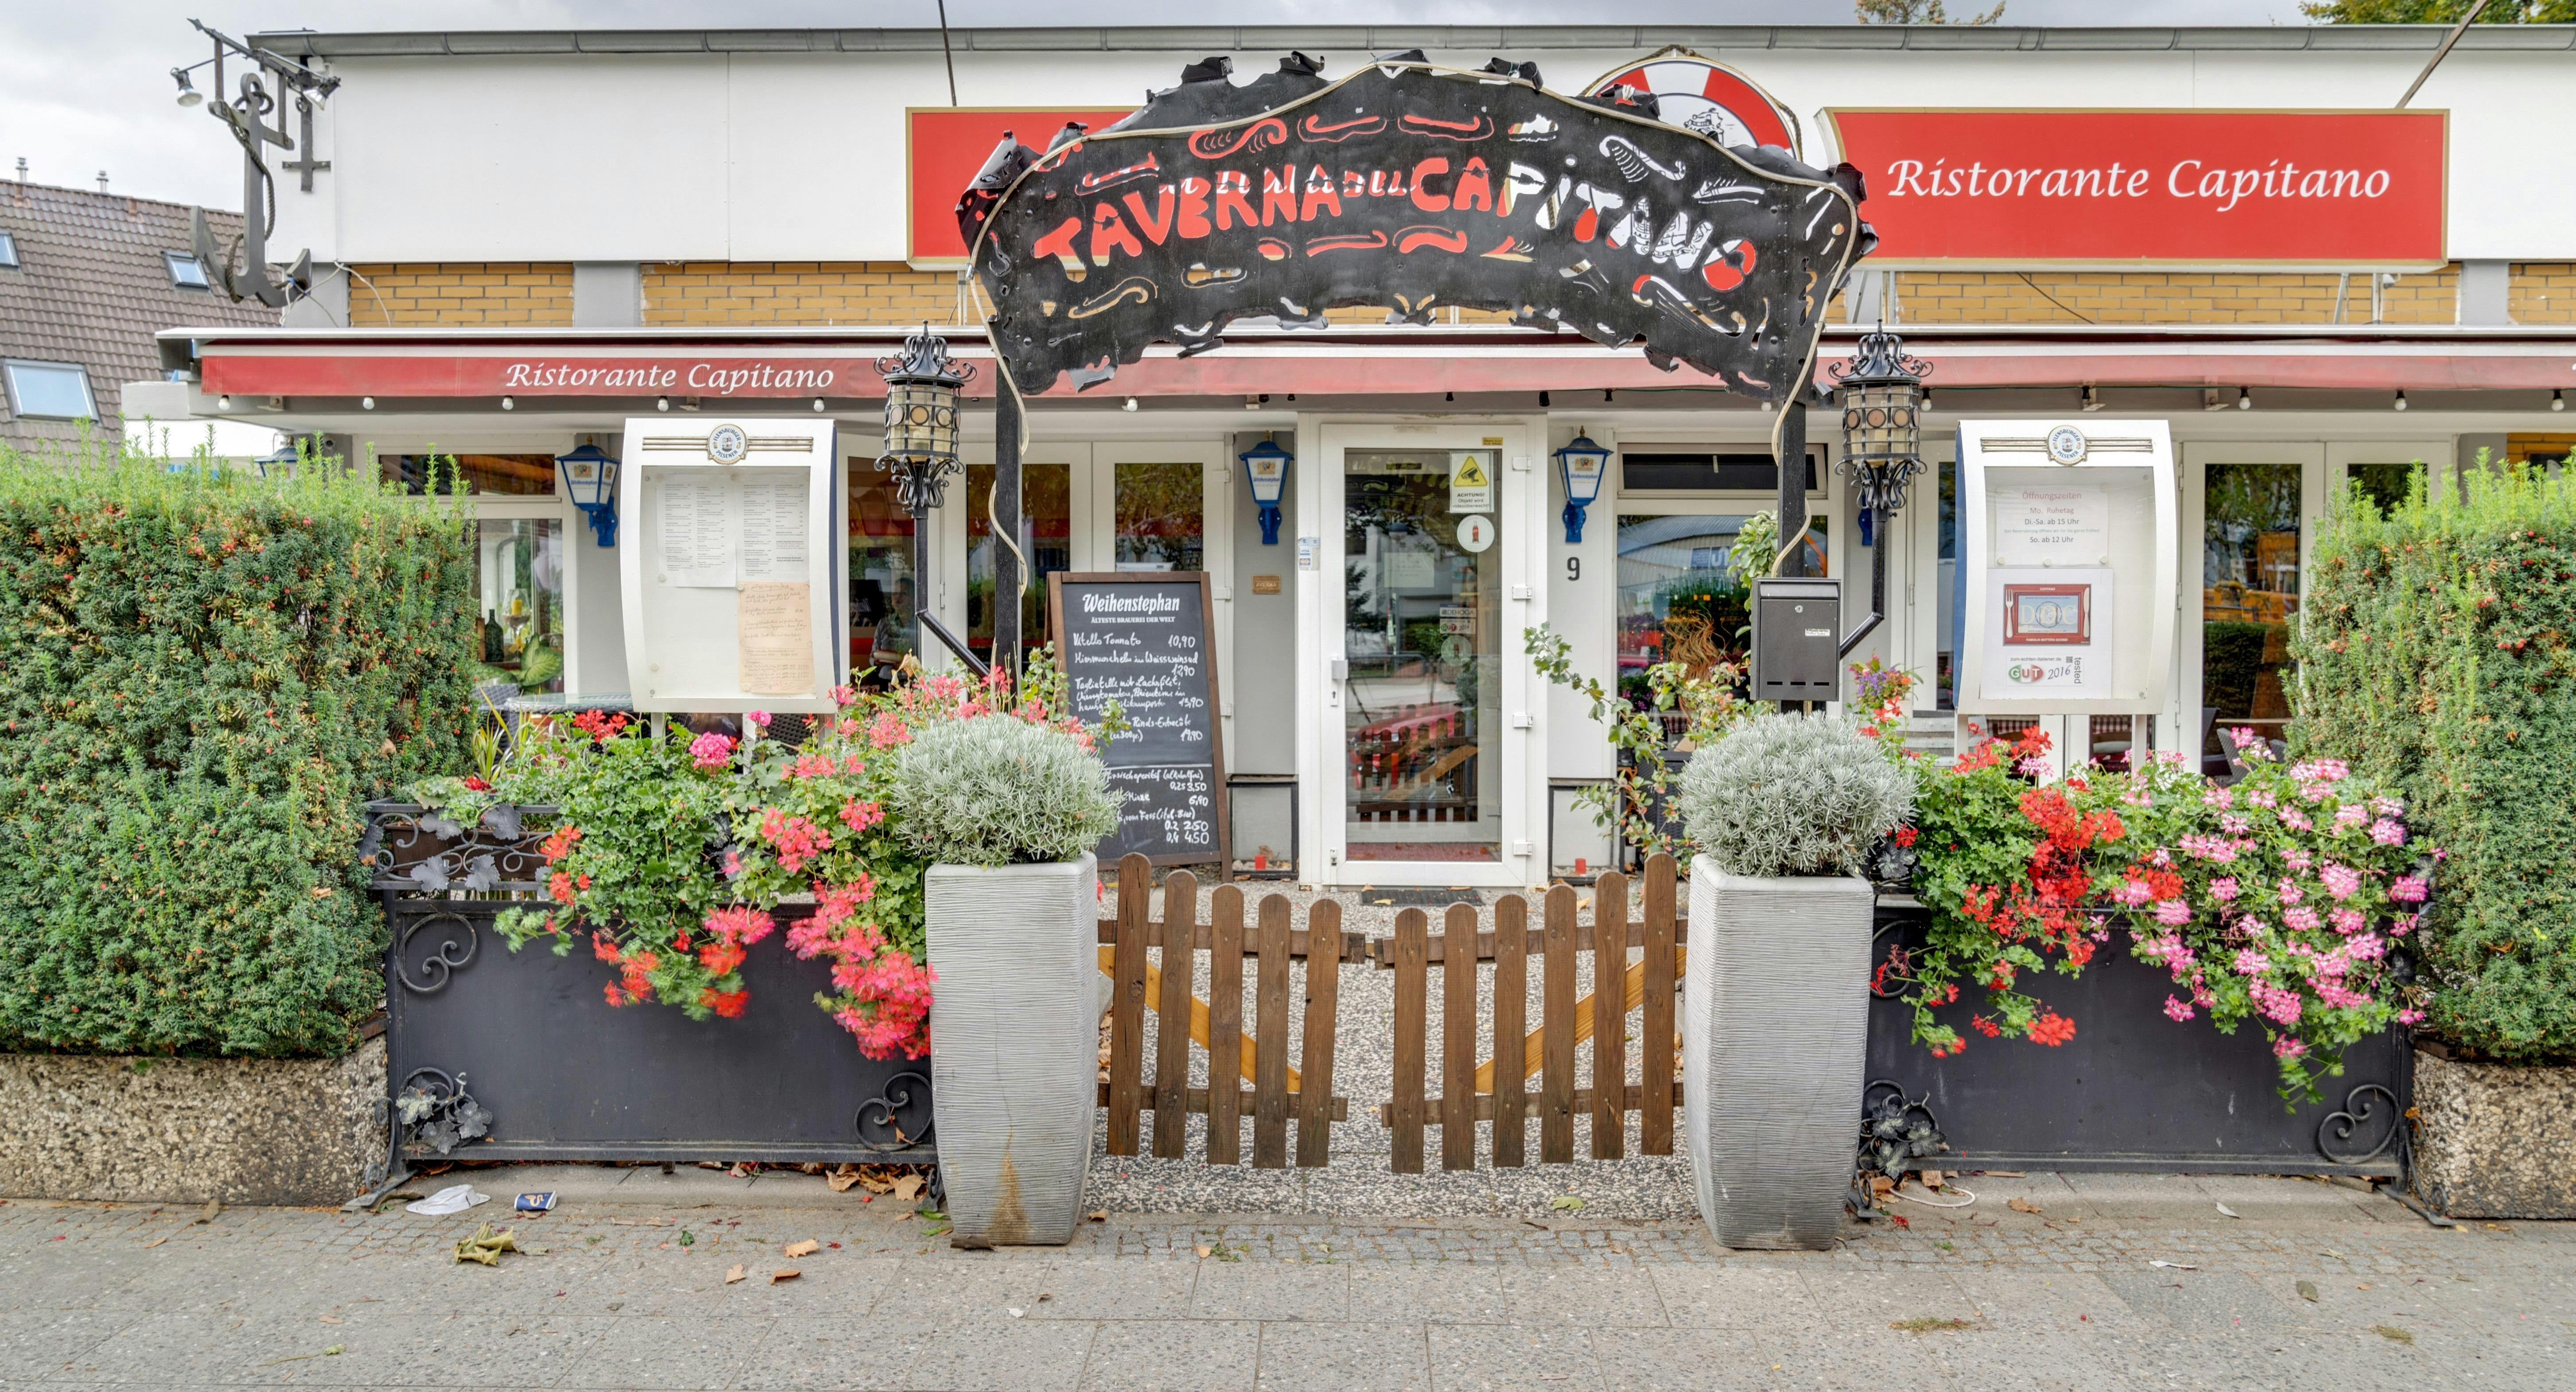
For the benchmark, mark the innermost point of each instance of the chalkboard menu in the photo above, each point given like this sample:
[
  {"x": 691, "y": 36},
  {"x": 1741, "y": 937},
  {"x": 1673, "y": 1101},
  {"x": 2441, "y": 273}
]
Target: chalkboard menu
[{"x": 1143, "y": 640}]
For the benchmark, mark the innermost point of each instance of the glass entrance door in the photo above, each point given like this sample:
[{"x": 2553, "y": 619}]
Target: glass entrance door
[{"x": 1422, "y": 645}]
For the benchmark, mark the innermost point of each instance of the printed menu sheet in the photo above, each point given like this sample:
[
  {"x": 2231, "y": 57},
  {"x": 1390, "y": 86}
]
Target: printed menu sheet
[
  {"x": 775, "y": 622},
  {"x": 698, "y": 534}
]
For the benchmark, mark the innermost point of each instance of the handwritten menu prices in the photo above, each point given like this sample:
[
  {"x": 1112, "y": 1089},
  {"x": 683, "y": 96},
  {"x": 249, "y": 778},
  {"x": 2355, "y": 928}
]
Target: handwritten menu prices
[{"x": 1143, "y": 642}]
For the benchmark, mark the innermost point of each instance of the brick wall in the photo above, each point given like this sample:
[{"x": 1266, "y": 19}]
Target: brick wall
[
  {"x": 2161, "y": 297},
  {"x": 797, "y": 292},
  {"x": 482, "y": 292},
  {"x": 888, "y": 292},
  {"x": 2543, "y": 292}
]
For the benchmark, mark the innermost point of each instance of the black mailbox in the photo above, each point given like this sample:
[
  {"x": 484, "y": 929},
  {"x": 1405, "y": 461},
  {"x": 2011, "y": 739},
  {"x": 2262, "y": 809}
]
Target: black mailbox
[{"x": 1797, "y": 639}]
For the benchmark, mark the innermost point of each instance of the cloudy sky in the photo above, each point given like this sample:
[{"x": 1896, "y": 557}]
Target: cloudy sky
[{"x": 85, "y": 87}]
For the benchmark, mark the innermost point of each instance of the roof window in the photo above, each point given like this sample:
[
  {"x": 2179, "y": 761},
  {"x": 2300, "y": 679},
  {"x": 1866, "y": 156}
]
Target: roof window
[
  {"x": 8, "y": 252},
  {"x": 186, "y": 271},
  {"x": 58, "y": 390}
]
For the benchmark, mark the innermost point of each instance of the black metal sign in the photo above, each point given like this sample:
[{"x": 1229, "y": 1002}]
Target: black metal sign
[{"x": 1413, "y": 187}]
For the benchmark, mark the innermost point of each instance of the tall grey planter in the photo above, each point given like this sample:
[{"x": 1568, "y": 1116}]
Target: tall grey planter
[
  {"x": 1014, "y": 1045},
  {"x": 1775, "y": 1025}
]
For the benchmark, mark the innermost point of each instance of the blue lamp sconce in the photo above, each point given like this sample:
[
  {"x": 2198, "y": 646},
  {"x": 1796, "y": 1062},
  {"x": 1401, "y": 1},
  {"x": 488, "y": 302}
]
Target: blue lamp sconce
[
  {"x": 1265, "y": 466},
  {"x": 1579, "y": 467},
  {"x": 590, "y": 480}
]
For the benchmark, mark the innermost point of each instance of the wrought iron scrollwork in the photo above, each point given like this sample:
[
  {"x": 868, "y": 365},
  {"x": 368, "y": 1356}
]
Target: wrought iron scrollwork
[
  {"x": 452, "y": 954},
  {"x": 1895, "y": 1130},
  {"x": 433, "y": 1109},
  {"x": 416, "y": 850},
  {"x": 2360, "y": 1113},
  {"x": 900, "y": 1116}
]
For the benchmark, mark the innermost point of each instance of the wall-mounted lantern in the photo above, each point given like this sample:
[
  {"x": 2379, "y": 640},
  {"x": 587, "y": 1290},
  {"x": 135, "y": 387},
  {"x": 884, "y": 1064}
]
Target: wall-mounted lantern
[
  {"x": 1579, "y": 467},
  {"x": 921, "y": 420},
  {"x": 280, "y": 462},
  {"x": 1882, "y": 391},
  {"x": 1265, "y": 466},
  {"x": 589, "y": 479}
]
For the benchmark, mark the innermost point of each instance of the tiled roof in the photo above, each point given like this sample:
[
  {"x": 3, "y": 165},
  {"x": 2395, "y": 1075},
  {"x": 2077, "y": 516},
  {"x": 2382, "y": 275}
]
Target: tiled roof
[{"x": 91, "y": 287}]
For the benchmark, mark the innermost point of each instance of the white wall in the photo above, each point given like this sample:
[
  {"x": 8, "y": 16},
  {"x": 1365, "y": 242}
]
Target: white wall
[{"x": 802, "y": 156}]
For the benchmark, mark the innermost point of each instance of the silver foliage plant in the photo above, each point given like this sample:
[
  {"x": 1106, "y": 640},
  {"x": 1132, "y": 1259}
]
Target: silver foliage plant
[
  {"x": 997, "y": 790},
  {"x": 1787, "y": 795}
]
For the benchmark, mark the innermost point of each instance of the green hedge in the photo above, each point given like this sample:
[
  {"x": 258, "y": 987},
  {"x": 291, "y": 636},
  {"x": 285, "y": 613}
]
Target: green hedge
[
  {"x": 201, "y": 678},
  {"x": 2439, "y": 654}
]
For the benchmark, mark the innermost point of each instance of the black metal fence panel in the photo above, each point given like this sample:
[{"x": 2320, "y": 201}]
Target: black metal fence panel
[
  {"x": 2134, "y": 1090},
  {"x": 529, "y": 1037}
]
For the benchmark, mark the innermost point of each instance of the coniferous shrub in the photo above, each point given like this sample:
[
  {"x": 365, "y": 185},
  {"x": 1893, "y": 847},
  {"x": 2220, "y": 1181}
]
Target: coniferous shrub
[
  {"x": 203, "y": 675},
  {"x": 1793, "y": 795},
  {"x": 2438, "y": 656}
]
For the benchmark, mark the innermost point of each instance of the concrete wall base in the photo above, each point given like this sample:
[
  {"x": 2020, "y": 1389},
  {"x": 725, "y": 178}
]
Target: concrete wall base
[
  {"x": 2492, "y": 1139},
  {"x": 159, "y": 1130}
]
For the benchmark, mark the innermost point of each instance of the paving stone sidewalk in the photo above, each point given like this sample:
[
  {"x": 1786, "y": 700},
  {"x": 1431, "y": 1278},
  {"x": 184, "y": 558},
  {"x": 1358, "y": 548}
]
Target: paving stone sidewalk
[{"x": 2115, "y": 1282}]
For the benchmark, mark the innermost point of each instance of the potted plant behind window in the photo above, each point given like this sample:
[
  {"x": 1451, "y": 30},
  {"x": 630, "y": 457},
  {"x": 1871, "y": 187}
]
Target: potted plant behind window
[
  {"x": 1007, "y": 811},
  {"x": 1784, "y": 810}
]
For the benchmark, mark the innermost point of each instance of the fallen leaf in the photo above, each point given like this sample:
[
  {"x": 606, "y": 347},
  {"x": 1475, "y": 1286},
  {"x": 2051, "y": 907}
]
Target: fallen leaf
[
  {"x": 843, "y": 1180},
  {"x": 2174, "y": 1266},
  {"x": 806, "y": 1248},
  {"x": 2308, "y": 1291},
  {"x": 1100, "y": 1215},
  {"x": 907, "y": 1188},
  {"x": 2024, "y": 1206},
  {"x": 1202, "y": 1251},
  {"x": 735, "y": 1273},
  {"x": 1931, "y": 1179},
  {"x": 784, "y": 1273},
  {"x": 156, "y": 1242},
  {"x": 1927, "y": 1324},
  {"x": 213, "y": 1207},
  {"x": 1567, "y": 1203},
  {"x": 2393, "y": 1334},
  {"x": 2232, "y": 1213}
]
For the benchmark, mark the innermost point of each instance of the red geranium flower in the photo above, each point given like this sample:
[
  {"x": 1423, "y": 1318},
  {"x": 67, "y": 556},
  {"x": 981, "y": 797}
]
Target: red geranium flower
[{"x": 2051, "y": 1029}]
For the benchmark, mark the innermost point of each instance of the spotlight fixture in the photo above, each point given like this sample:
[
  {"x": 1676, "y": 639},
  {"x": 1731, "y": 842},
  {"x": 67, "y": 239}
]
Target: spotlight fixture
[
  {"x": 1542, "y": 401},
  {"x": 509, "y": 403},
  {"x": 223, "y": 403},
  {"x": 1608, "y": 395},
  {"x": 2092, "y": 398},
  {"x": 2401, "y": 399},
  {"x": 818, "y": 404},
  {"x": 1926, "y": 403},
  {"x": 1251, "y": 402},
  {"x": 1448, "y": 396},
  {"x": 1128, "y": 405},
  {"x": 2558, "y": 401},
  {"x": 661, "y": 403},
  {"x": 2244, "y": 398},
  {"x": 188, "y": 93},
  {"x": 366, "y": 403}
]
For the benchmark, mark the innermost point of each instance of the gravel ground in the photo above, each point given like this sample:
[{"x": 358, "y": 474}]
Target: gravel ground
[{"x": 1359, "y": 1182}]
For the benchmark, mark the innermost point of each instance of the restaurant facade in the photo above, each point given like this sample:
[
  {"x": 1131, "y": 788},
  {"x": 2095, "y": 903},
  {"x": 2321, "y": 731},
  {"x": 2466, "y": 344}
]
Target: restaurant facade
[{"x": 2226, "y": 256}]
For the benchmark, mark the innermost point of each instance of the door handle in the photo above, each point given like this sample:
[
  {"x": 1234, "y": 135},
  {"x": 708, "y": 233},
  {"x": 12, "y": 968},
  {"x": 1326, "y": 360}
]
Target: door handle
[{"x": 1341, "y": 669}]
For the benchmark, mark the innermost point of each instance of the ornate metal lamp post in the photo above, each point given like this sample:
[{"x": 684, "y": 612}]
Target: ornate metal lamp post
[
  {"x": 921, "y": 418},
  {"x": 1882, "y": 400}
]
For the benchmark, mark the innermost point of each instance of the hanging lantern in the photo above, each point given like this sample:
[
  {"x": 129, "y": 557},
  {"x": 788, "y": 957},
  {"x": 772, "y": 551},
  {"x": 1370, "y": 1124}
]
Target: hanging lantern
[{"x": 921, "y": 418}]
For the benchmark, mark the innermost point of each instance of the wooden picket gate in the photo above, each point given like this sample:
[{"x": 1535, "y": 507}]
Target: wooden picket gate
[
  {"x": 1216, "y": 1025},
  {"x": 1493, "y": 1090}
]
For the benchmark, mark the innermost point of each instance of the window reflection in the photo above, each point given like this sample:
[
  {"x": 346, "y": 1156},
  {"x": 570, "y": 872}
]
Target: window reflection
[
  {"x": 2249, "y": 594},
  {"x": 519, "y": 602},
  {"x": 882, "y": 603},
  {"x": 1161, "y": 517},
  {"x": 511, "y": 474},
  {"x": 1046, "y": 540},
  {"x": 1680, "y": 599}
]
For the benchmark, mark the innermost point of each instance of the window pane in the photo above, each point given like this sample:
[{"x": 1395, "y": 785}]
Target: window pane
[
  {"x": 8, "y": 252},
  {"x": 1046, "y": 539},
  {"x": 186, "y": 271},
  {"x": 50, "y": 389},
  {"x": 1161, "y": 517},
  {"x": 2249, "y": 593},
  {"x": 882, "y": 627},
  {"x": 1423, "y": 641},
  {"x": 2385, "y": 485},
  {"x": 1948, "y": 618},
  {"x": 1679, "y": 598},
  {"x": 512, "y": 474},
  {"x": 519, "y": 602}
]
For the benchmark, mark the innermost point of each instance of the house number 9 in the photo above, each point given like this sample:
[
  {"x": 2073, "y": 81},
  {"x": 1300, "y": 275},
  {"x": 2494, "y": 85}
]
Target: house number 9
[{"x": 1574, "y": 567}]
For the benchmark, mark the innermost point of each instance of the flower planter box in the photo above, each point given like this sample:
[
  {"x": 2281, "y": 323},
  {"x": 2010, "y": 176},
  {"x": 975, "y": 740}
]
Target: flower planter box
[
  {"x": 1774, "y": 1033},
  {"x": 2492, "y": 1140},
  {"x": 2133, "y": 1090},
  {"x": 565, "y": 1076},
  {"x": 1016, "y": 1037},
  {"x": 413, "y": 849}
]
